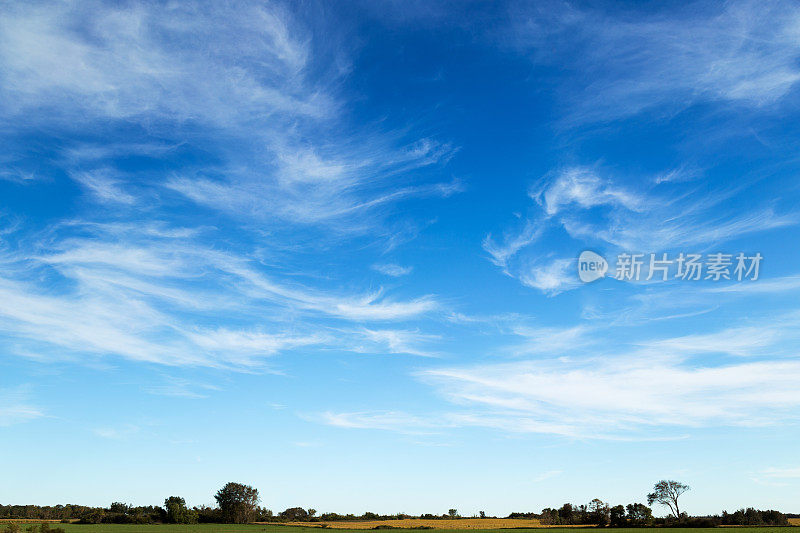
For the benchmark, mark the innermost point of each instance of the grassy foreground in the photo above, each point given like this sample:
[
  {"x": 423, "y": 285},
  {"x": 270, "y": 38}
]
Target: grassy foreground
[{"x": 269, "y": 528}]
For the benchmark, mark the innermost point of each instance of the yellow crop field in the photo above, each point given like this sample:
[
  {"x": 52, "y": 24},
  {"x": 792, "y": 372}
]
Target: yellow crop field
[
  {"x": 794, "y": 521},
  {"x": 457, "y": 523}
]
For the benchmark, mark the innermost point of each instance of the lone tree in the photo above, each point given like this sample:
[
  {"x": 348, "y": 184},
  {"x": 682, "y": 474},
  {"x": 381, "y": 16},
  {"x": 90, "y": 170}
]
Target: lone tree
[
  {"x": 237, "y": 503},
  {"x": 667, "y": 493}
]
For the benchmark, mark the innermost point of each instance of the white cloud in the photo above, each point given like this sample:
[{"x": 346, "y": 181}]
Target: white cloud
[
  {"x": 393, "y": 270},
  {"x": 130, "y": 62},
  {"x": 781, "y": 473},
  {"x": 383, "y": 420},
  {"x": 16, "y": 408},
  {"x": 247, "y": 347},
  {"x": 245, "y": 159},
  {"x": 249, "y": 88},
  {"x": 552, "y": 278},
  {"x": 652, "y": 220},
  {"x": 764, "y": 286},
  {"x": 612, "y": 398},
  {"x": 121, "y": 432},
  {"x": 103, "y": 186},
  {"x": 583, "y": 187},
  {"x": 147, "y": 293},
  {"x": 512, "y": 243},
  {"x": 180, "y": 388},
  {"x": 595, "y": 211},
  {"x": 552, "y": 341},
  {"x": 544, "y": 476},
  {"x": 590, "y": 383},
  {"x": 399, "y": 341},
  {"x": 739, "y": 341},
  {"x": 739, "y": 52}
]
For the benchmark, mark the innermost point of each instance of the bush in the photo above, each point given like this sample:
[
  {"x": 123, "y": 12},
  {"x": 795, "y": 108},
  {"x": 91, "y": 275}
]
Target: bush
[
  {"x": 295, "y": 514},
  {"x": 754, "y": 517},
  {"x": 95, "y": 517}
]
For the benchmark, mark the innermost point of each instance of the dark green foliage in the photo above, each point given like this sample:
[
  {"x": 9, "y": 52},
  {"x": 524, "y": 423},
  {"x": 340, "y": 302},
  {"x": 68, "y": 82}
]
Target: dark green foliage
[
  {"x": 598, "y": 512},
  {"x": 94, "y": 517},
  {"x": 263, "y": 514},
  {"x": 617, "y": 516},
  {"x": 177, "y": 512},
  {"x": 295, "y": 514},
  {"x": 688, "y": 521},
  {"x": 566, "y": 514},
  {"x": 237, "y": 503},
  {"x": 638, "y": 514},
  {"x": 754, "y": 517},
  {"x": 47, "y": 512},
  {"x": 119, "y": 508},
  {"x": 208, "y": 515}
]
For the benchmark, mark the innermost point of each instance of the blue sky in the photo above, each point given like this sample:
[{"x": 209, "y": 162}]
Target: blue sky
[{"x": 329, "y": 249}]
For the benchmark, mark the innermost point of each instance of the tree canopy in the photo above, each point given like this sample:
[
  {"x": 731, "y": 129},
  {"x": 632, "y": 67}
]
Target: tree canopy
[
  {"x": 237, "y": 502},
  {"x": 667, "y": 492}
]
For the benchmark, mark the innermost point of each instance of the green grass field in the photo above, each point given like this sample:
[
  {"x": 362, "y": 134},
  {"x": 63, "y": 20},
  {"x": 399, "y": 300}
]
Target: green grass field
[{"x": 255, "y": 528}]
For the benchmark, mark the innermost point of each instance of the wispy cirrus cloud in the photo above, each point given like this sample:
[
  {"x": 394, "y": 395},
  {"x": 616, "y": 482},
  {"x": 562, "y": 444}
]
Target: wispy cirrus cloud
[
  {"x": 16, "y": 407},
  {"x": 513, "y": 241},
  {"x": 208, "y": 139},
  {"x": 180, "y": 388},
  {"x": 784, "y": 473},
  {"x": 383, "y": 420},
  {"x": 401, "y": 341},
  {"x": 258, "y": 104},
  {"x": 594, "y": 210},
  {"x": 765, "y": 286},
  {"x": 105, "y": 188},
  {"x": 130, "y": 62},
  {"x": 392, "y": 269},
  {"x": 582, "y": 187},
  {"x": 608, "y": 398},
  {"x": 544, "y": 476},
  {"x": 120, "y": 432},
  {"x": 602, "y": 382},
  {"x": 743, "y": 53},
  {"x": 148, "y": 293}
]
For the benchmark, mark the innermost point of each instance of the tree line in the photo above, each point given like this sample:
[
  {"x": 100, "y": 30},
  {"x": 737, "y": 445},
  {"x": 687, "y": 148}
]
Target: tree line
[{"x": 238, "y": 503}]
